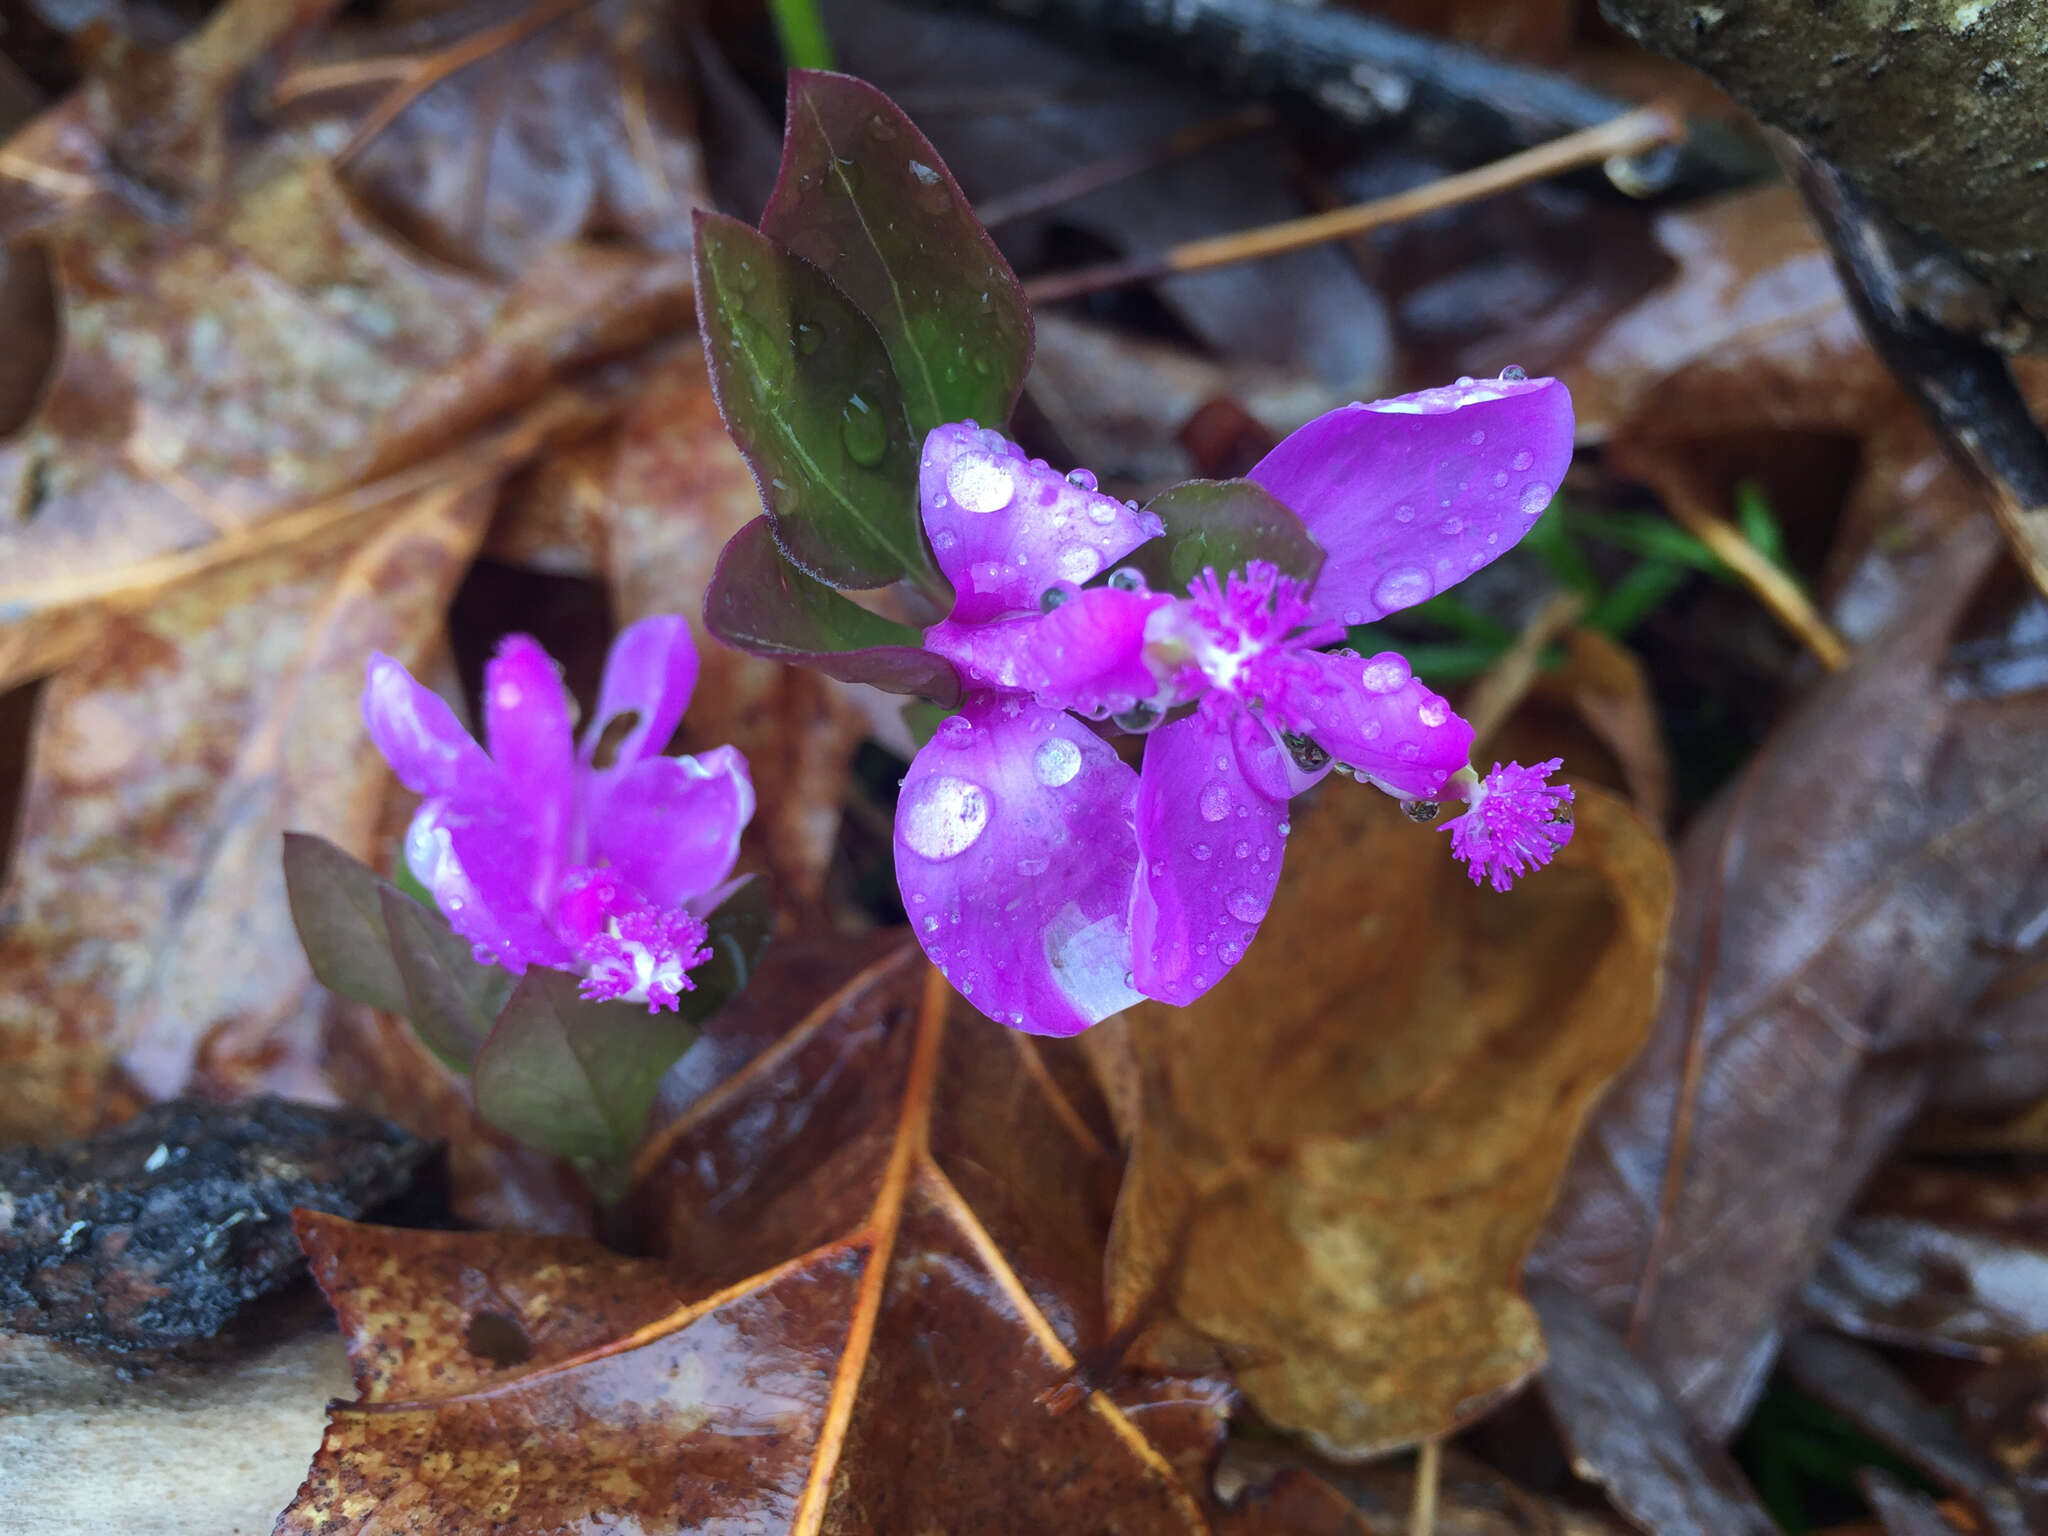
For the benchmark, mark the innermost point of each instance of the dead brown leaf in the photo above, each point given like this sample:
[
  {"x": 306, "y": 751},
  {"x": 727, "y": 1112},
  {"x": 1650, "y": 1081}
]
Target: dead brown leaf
[
  {"x": 882, "y": 1249},
  {"x": 1839, "y": 906},
  {"x": 1344, "y": 1150}
]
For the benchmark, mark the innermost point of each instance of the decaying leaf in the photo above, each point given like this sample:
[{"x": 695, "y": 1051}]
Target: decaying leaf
[
  {"x": 881, "y": 1247},
  {"x": 1626, "y": 1433},
  {"x": 1344, "y": 1150},
  {"x": 157, "y": 1234},
  {"x": 1839, "y": 907}
]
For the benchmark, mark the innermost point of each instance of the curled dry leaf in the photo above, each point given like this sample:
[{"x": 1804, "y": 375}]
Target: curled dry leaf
[
  {"x": 1344, "y": 1151},
  {"x": 882, "y": 1252},
  {"x": 1839, "y": 906}
]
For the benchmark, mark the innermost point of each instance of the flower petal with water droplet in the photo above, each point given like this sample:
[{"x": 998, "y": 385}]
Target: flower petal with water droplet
[
  {"x": 650, "y": 672},
  {"x": 1014, "y": 857},
  {"x": 1479, "y": 460},
  {"x": 1405, "y": 739},
  {"x": 1005, "y": 528},
  {"x": 1193, "y": 914}
]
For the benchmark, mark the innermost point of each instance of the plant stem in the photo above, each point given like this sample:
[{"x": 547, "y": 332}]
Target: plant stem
[{"x": 801, "y": 32}]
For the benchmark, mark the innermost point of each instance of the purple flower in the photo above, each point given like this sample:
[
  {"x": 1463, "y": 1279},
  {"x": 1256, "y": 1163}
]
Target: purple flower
[
  {"x": 1055, "y": 885},
  {"x": 540, "y": 855}
]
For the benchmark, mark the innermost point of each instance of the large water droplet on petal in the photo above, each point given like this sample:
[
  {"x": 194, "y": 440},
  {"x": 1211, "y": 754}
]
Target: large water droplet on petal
[
  {"x": 1246, "y": 906},
  {"x": 1402, "y": 587},
  {"x": 1523, "y": 459},
  {"x": 1535, "y": 497},
  {"x": 980, "y": 483},
  {"x": 1432, "y": 711},
  {"x": 1084, "y": 478},
  {"x": 944, "y": 818},
  {"x": 1214, "y": 802},
  {"x": 1056, "y": 762},
  {"x": 1385, "y": 672},
  {"x": 1079, "y": 563},
  {"x": 1202, "y": 851}
]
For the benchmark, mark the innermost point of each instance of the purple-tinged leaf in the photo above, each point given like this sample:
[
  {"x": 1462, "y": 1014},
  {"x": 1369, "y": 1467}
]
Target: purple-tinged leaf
[
  {"x": 865, "y": 196},
  {"x": 1222, "y": 524},
  {"x": 759, "y": 603},
  {"x": 337, "y": 907},
  {"x": 578, "y": 1078},
  {"x": 450, "y": 998},
  {"x": 807, "y": 393}
]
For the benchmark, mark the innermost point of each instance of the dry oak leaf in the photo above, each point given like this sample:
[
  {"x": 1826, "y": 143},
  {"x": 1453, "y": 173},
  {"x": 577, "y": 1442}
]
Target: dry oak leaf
[
  {"x": 1345, "y": 1150},
  {"x": 883, "y": 1247}
]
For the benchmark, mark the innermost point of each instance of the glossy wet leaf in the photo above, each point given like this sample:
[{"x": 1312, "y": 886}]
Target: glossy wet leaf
[
  {"x": 864, "y": 196},
  {"x": 577, "y": 1078},
  {"x": 858, "y": 1304},
  {"x": 807, "y": 392},
  {"x": 1841, "y": 905},
  {"x": 1220, "y": 524},
  {"x": 451, "y": 997},
  {"x": 765, "y": 606},
  {"x": 1343, "y": 1152}
]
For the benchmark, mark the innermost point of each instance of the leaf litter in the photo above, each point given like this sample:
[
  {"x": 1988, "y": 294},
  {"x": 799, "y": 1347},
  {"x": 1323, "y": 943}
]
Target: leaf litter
[{"x": 280, "y": 427}]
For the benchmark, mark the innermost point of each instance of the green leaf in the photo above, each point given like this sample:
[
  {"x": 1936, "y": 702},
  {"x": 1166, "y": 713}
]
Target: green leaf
[
  {"x": 577, "y": 1078},
  {"x": 450, "y": 998},
  {"x": 1759, "y": 523},
  {"x": 1223, "y": 523},
  {"x": 807, "y": 393},
  {"x": 759, "y": 603},
  {"x": 1635, "y": 597},
  {"x": 865, "y": 196},
  {"x": 801, "y": 32},
  {"x": 337, "y": 906},
  {"x": 1553, "y": 544},
  {"x": 1650, "y": 536},
  {"x": 1462, "y": 620}
]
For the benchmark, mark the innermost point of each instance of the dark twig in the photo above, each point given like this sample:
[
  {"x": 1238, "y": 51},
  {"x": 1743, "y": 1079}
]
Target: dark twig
[
  {"x": 1353, "y": 72},
  {"x": 1928, "y": 321}
]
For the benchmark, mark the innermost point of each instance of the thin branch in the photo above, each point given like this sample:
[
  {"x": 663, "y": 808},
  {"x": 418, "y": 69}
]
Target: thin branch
[
  {"x": 1506, "y": 683},
  {"x": 1631, "y": 134},
  {"x": 1429, "y": 1460}
]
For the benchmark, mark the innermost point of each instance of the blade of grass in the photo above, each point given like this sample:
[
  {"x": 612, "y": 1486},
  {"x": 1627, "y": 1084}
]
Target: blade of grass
[{"x": 801, "y": 32}]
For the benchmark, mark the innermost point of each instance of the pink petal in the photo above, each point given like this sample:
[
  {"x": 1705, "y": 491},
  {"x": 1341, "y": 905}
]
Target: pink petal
[
  {"x": 1209, "y": 851},
  {"x": 482, "y": 868},
  {"x": 1005, "y": 529},
  {"x": 419, "y": 735},
  {"x": 526, "y": 726},
  {"x": 1014, "y": 855},
  {"x": 651, "y": 672},
  {"x": 1375, "y": 716},
  {"x": 1412, "y": 495},
  {"x": 1087, "y": 654},
  {"x": 671, "y": 826}
]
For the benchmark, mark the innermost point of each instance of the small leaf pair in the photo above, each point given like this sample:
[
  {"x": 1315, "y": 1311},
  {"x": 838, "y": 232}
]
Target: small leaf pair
[{"x": 573, "y": 1077}]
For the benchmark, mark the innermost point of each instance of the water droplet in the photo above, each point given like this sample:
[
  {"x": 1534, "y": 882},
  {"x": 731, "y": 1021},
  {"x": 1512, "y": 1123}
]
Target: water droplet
[
  {"x": 1500, "y": 478},
  {"x": 1030, "y": 867},
  {"x": 1478, "y": 437},
  {"x": 808, "y": 337},
  {"x": 1245, "y": 906},
  {"x": 1451, "y": 527},
  {"x": 1523, "y": 459},
  {"x": 1127, "y": 578},
  {"x": 1354, "y": 615},
  {"x": 1202, "y": 851},
  {"x": 746, "y": 278},
  {"x": 862, "y": 430},
  {"x": 1286, "y": 827},
  {"x": 944, "y": 539},
  {"x": 1514, "y": 373},
  {"x": 1056, "y": 762},
  {"x": 1214, "y": 802},
  {"x": 1138, "y": 719},
  {"x": 1243, "y": 850},
  {"x": 1535, "y": 497},
  {"x": 1402, "y": 587},
  {"x": 980, "y": 483},
  {"x": 931, "y": 922},
  {"x": 881, "y": 128},
  {"x": 1404, "y": 513},
  {"x": 1385, "y": 672},
  {"x": 1432, "y": 711},
  {"x": 1408, "y": 751},
  {"x": 1231, "y": 954},
  {"x": 1079, "y": 562},
  {"x": 1370, "y": 730},
  {"x": 1084, "y": 478},
  {"x": 945, "y": 817},
  {"x": 1308, "y": 756},
  {"x": 1424, "y": 811},
  {"x": 1101, "y": 511},
  {"x": 1051, "y": 598}
]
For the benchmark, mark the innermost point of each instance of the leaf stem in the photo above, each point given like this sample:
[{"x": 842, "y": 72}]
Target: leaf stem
[
  {"x": 1633, "y": 133},
  {"x": 801, "y": 32}
]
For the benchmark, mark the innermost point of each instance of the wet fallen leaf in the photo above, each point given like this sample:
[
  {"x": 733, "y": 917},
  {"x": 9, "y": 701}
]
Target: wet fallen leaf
[
  {"x": 1901, "y": 1510},
  {"x": 1947, "y": 1259},
  {"x": 1839, "y": 906},
  {"x": 1625, "y": 1432},
  {"x": 881, "y": 1243},
  {"x": 1344, "y": 1150}
]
